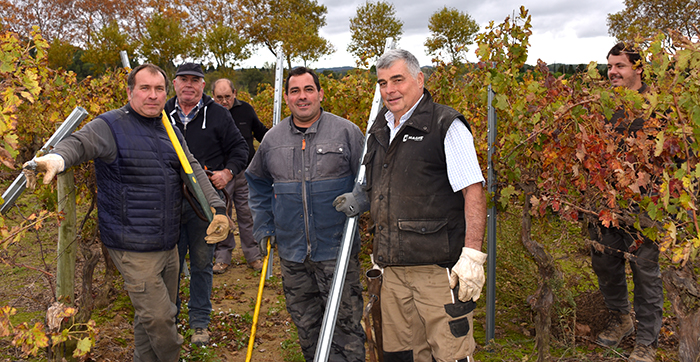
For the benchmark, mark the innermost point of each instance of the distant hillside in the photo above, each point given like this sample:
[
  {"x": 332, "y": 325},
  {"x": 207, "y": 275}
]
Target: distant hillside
[{"x": 342, "y": 70}]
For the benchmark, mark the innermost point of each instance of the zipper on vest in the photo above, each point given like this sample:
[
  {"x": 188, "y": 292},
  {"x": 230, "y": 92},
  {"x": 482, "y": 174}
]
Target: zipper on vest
[{"x": 304, "y": 200}]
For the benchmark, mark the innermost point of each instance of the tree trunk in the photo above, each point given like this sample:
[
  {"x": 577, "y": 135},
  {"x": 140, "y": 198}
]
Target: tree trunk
[
  {"x": 682, "y": 290},
  {"x": 541, "y": 302}
]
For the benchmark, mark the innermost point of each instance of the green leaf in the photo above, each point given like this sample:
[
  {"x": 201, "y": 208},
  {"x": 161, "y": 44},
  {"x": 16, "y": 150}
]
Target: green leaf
[{"x": 83, "y": 347}]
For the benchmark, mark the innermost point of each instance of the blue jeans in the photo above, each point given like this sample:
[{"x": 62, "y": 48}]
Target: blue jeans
[{"x": 192, "y": 233}]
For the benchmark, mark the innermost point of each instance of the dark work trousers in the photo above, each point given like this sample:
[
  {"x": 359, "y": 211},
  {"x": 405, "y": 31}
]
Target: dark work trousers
[
  {"x": 648, "y": 288},
  {"x": 306, "y": 288}
]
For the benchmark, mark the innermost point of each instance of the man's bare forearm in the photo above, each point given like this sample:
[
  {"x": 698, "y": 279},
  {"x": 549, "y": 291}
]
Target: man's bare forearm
[{"x": 474, "y": 215}]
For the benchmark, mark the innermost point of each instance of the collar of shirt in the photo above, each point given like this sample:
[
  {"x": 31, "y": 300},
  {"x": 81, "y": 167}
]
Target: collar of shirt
[
  {"x": 390, "y": 120},
  {"x": 186, "y": 118}
]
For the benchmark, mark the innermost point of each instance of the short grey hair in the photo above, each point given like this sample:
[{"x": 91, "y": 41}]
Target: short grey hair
[{"x": 390, "y": 56}]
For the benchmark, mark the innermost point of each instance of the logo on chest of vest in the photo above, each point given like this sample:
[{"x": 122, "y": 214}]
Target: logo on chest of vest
[{"x": 408, "y": 137}]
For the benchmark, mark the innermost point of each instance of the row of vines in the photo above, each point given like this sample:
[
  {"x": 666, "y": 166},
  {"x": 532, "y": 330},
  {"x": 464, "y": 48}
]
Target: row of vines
[{"x": 555, "y": 153}]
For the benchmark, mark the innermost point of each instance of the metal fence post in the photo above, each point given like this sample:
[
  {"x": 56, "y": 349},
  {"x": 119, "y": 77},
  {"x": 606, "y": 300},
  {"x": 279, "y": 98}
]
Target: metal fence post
[{"x": 491, "y": 224}]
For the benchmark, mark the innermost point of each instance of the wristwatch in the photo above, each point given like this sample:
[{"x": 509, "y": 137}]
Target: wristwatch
[{"x": 231, "y": 171}]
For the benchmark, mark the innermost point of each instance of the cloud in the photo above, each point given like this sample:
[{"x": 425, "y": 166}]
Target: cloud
[{"x": 562, "y": 29}]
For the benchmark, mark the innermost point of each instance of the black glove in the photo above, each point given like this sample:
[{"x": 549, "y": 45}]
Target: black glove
[
  {"x": 262, "y": 243},
  {"x": 352, "y": 203}
]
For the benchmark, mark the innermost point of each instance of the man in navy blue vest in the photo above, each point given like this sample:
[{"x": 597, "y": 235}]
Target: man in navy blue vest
[{"x": 139, "y": 178}]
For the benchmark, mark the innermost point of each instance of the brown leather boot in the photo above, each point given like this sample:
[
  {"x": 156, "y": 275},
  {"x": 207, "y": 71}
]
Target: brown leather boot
[
  {"x": 643, "y": 353},
  {"x": 256, "y": 265},
  {"x": 619, "y": 326}
]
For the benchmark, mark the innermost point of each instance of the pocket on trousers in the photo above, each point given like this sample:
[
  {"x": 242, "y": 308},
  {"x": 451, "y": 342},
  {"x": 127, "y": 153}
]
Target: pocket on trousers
[
  {"x": 135, "y": 287},
  {"x": 459, "y": 327}
]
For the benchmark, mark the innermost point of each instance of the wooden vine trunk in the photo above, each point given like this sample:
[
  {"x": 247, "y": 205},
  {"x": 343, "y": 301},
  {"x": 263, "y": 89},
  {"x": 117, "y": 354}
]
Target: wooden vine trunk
[
  {"x": 683, "y": 292},
  {"x": 543, "y": 298}
]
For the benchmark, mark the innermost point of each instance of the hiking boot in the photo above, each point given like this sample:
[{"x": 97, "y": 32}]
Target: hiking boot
[
  {"x": 219, "y": 268},
  {"x": 619, "y": 326},
  {"x": 643, "y": 353},
  {"x": 256, "y": 265},
  {"x": 200, "y": 337}
]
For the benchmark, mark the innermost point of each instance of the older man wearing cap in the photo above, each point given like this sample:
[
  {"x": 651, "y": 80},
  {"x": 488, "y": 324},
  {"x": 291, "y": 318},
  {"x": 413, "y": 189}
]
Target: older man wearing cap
[{"x": 216, "y": 143}]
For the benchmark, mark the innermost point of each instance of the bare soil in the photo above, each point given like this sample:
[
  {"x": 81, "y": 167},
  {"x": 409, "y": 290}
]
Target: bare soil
[
  {"x": 29, "y": 286},
  {"x": 234, "y": 296}
]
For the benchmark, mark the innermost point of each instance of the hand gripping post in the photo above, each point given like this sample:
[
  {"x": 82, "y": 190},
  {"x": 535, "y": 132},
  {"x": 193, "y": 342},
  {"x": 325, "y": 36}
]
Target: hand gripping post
[{"x": 20, "y": 184}]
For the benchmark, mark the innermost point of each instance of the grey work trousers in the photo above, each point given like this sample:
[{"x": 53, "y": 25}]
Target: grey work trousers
[
  {"x": 238, "y": 191},
  {"x": 609, "y": 266},
  {"x": 306, "y": 288},
  {"x": 151, "y": 280}
]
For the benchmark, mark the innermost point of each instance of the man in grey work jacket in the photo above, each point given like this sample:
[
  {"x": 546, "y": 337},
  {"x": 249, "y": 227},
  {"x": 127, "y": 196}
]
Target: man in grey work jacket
[
  {"x": 302, "y": 164},
  {"x": 425, "y": 189},
  {"x": 139, "y": 181}
]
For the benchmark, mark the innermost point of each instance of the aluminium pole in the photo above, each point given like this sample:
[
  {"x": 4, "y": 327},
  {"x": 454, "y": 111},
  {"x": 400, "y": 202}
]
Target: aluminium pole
[
  {"x": 330, "y": 315},
  {"x": 125, "y": 59},
  {"x": 277, "y": 111},
  {"x": 491, "y": 224}
]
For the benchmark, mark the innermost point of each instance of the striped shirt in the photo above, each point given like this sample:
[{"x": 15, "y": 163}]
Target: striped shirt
[{"x": 462, "y": 164}]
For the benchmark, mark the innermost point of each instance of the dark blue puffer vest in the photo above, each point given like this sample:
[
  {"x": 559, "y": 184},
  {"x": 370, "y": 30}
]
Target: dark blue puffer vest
[{"x": 140, "y": 192}]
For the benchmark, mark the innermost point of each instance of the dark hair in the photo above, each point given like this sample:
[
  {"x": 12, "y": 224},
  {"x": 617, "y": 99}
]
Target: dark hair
[
  {"x": 630, "y": 51},
  {"x": 154, "y": 69},
  {"x": 301, "y": 71},
  {"x": 230, "y": 84}
]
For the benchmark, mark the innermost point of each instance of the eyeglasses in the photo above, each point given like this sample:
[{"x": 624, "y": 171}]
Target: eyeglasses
[{"x": 226, "y": 97}]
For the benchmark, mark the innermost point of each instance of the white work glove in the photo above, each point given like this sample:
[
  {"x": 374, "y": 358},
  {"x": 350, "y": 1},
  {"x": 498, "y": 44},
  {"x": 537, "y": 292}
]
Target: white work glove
[
  {"x": 469, "y": 272},
  {"x": 50, "y": 165},
  {"x": 217, "y": 230}
]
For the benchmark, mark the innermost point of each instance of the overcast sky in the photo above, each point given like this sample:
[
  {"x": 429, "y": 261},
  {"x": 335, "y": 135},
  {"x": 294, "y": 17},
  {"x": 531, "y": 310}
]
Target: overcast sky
[{"x": 563, "y": 31}]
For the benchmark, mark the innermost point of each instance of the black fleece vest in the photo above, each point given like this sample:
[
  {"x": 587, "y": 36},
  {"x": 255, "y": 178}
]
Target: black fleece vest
[
  {"x": 140, "y": 192},
  {"x": 418, "y": 219}
]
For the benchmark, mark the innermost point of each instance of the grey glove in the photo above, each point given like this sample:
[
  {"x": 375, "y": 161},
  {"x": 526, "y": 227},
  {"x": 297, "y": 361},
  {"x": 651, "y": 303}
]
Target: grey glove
[
  {"x": 262, "y": 243},
  {"x": 352, "y": 203}
]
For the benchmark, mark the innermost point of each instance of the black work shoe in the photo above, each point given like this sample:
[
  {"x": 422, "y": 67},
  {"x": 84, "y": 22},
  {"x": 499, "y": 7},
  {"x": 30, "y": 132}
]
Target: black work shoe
[
  {"x": 200, "y": 337},
  {"x": 619, "y": 326},
  {"x": 643, "y": 353}
]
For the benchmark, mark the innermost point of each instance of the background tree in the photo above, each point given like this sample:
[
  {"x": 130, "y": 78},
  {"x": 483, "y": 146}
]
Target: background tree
[
  {"x": 451, "y": 30},
  {"x": 369, "y": 29},
  {"x": 93, "y": 16},
  {"x": 271, "y": 22},
  {"x": 304, "y": 43},
  {"x": 104, "y": 48},
  {"x": 646, "y": 17},
  {"x": 166, "y": 41},
  {"x": 226, "y": 45},
  {"x": 56, "y": 19}
]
